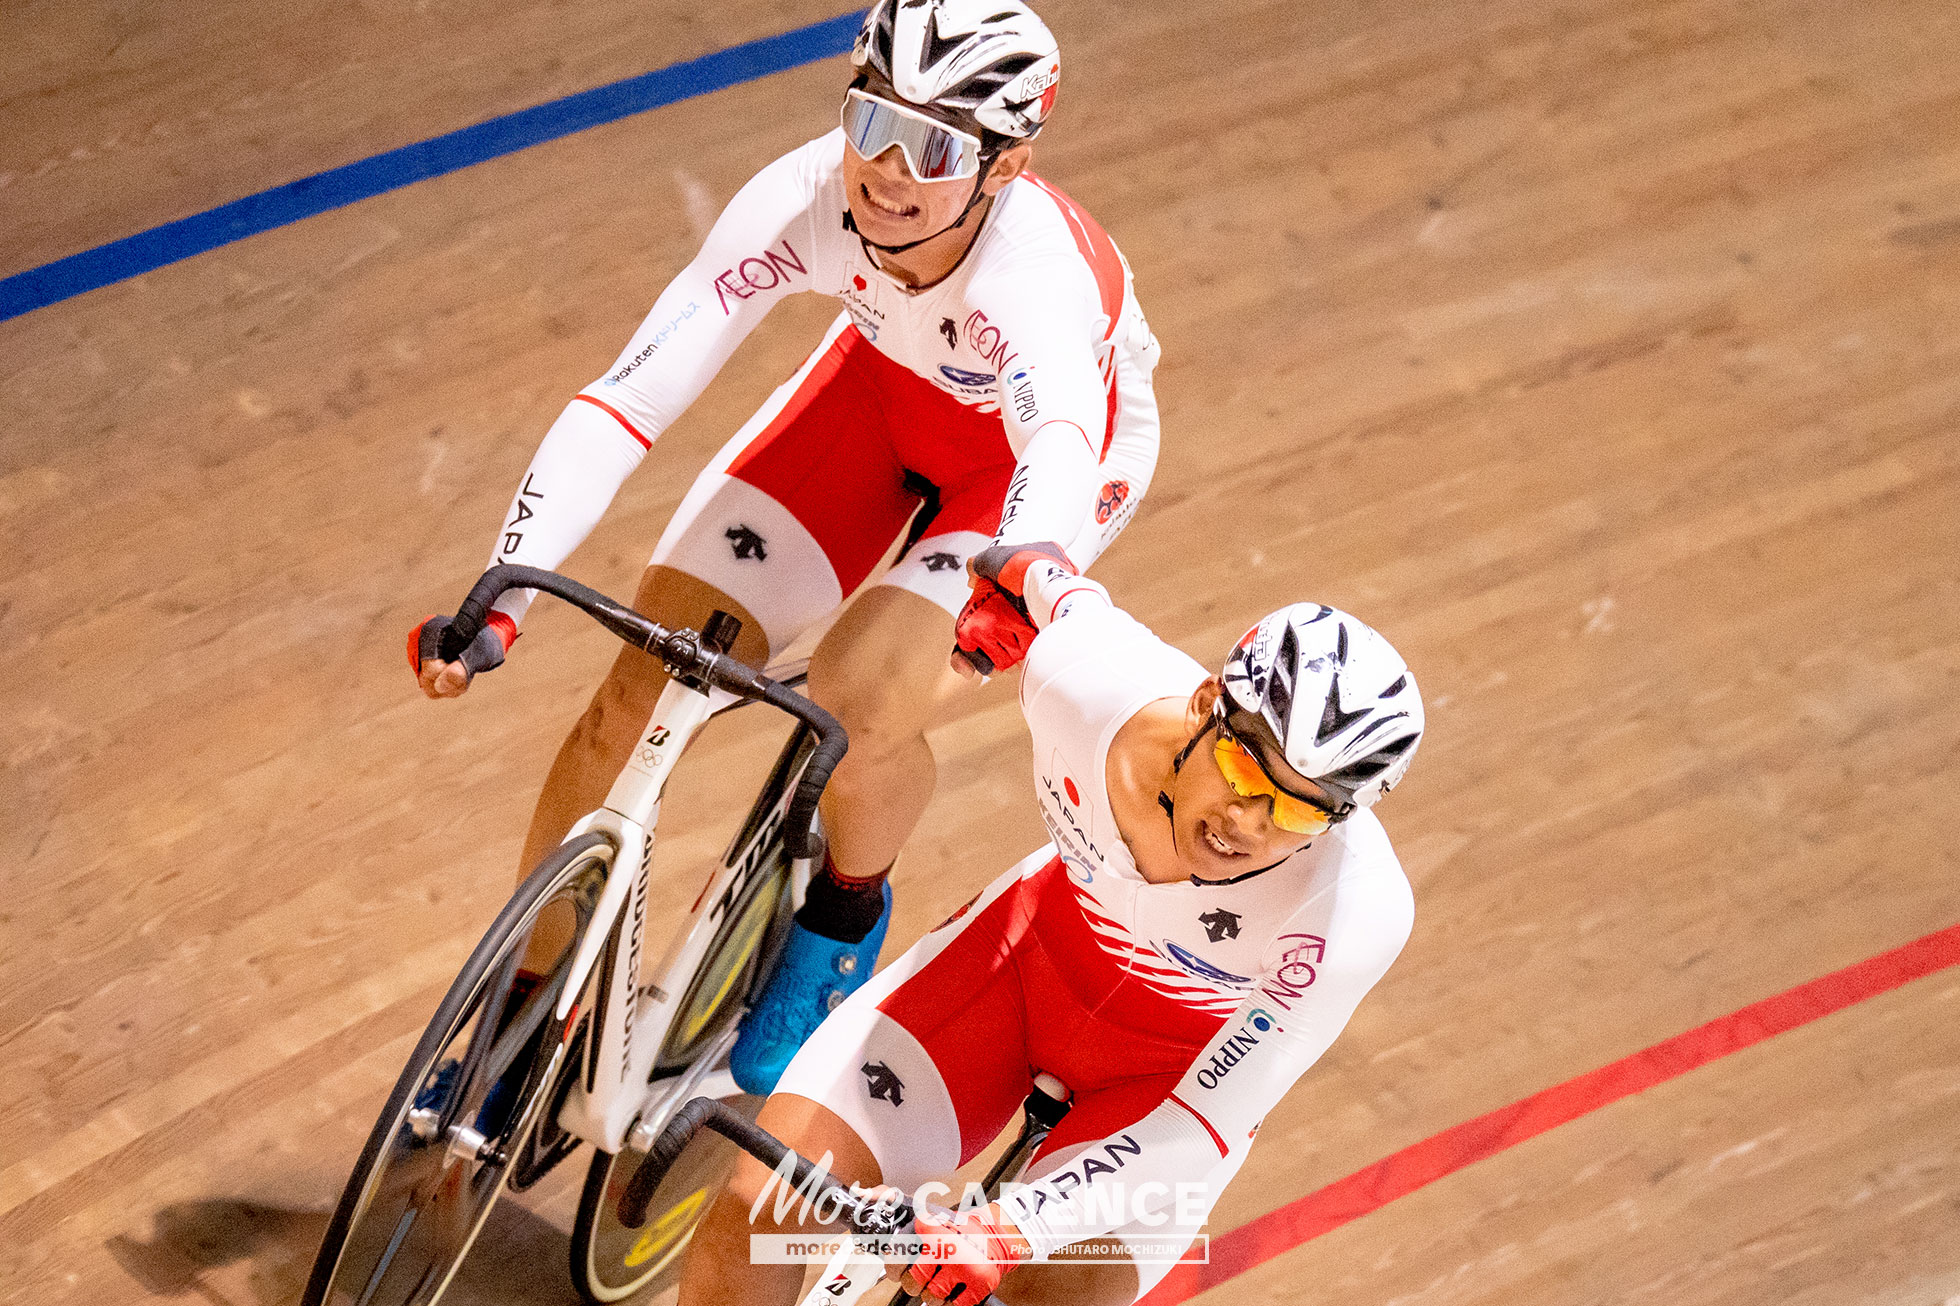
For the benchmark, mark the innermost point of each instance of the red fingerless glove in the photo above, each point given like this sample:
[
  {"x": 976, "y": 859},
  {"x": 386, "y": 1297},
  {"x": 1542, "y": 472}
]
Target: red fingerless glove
[
  {"x": 965, "y": 1256},
  {"x": 1007, "y": 564},
  {"x": 992, "y": 630},
  {"x": 485, "y": 653}
]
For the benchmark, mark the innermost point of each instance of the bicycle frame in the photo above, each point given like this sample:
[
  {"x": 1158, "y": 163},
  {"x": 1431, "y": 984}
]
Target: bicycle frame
[{"x": 632, "y": 1020}]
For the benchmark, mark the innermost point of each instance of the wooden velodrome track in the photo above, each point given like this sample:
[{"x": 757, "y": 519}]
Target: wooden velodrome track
[{"x": 1604, "y": 353}]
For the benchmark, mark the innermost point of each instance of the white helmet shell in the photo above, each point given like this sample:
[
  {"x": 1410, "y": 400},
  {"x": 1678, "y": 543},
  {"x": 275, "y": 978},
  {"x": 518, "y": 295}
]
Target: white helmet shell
[
  {"x": 991, "y": 60},
  {"x": 1329, "y": 695}
]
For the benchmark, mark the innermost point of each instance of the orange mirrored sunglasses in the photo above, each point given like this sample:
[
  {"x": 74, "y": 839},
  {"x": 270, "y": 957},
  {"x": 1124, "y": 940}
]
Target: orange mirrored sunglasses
[{"x": 1248, "y": 779}]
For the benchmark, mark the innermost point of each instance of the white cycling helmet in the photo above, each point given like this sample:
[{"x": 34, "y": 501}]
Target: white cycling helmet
[
  {"x": 1314, "y": 686},
  {"x": 991, "y": 60}
]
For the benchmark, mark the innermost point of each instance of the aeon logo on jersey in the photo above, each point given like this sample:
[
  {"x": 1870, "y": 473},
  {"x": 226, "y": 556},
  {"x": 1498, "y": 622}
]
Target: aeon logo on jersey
[
  {"x": 1295, "y": 974},
  {"x": 986, "y": 340},
  {"x": 757, "y": 273}
]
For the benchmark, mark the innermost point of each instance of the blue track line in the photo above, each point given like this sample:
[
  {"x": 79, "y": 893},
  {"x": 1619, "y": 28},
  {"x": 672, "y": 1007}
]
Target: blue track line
[{"x": 148, "y": 250}]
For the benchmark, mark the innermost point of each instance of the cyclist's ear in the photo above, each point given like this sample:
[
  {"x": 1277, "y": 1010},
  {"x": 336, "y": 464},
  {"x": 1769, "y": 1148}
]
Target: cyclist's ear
[
  {"x": 1008, "y": 164},
  {"x": 1198, "y": 710}
]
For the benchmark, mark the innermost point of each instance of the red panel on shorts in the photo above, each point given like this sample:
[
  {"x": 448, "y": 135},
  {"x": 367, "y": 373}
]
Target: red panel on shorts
[
  {"x": 837, "y": 454},
  {"x": 1118, "y": 1044}
]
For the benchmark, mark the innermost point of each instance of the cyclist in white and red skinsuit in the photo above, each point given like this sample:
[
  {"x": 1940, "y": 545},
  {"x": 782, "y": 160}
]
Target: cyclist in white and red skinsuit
[
  {"x": 988, "y": 381},
  {"x": 1175, "y": 956}
]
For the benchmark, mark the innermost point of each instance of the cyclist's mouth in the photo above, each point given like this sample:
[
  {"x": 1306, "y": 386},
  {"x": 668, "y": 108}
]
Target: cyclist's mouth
[
  {"x": 1215, "y": 843},
  {"x": 889, "y": 210}
]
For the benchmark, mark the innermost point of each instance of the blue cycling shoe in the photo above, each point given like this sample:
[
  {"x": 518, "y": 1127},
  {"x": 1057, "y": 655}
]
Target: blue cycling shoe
[{"x": 812, "y": 977}]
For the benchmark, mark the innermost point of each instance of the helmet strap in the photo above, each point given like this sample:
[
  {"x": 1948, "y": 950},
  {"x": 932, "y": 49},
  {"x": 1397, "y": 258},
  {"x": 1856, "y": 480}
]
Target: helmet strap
[{"x": 1164, "y": 800}]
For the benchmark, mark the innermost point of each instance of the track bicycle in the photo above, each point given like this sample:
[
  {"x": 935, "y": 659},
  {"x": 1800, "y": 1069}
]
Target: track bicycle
[
  {"x": 879, "y": 1241},
  {"x": 513, "y": 1073}
]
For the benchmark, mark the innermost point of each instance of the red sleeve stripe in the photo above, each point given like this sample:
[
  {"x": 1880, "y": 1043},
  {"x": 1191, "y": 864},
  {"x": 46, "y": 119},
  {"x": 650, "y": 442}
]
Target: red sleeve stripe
[
  {"x": 1109, "y": 426},
  {"x": 630, "y": 428},
  {"x": 1097, "y": 249},
  {"x": 1222, "y": 1150},
  {"x": 1063, "y": 421}
]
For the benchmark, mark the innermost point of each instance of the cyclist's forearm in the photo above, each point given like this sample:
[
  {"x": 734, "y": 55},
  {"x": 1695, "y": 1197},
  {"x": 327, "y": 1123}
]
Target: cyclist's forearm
[
  {"x": 583, "y": 460},
  {"x": 1054, "y": 488}
]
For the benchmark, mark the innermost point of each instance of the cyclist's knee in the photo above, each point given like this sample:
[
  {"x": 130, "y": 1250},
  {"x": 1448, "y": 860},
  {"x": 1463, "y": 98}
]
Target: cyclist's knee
[
  {"x": 882, "y": 669},
  {"x": 622, "y": 703},
  {"x": 879, "y": 713}
]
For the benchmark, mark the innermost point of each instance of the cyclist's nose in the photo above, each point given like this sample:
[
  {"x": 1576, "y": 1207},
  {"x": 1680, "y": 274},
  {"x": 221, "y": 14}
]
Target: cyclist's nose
[
  {"x": 891, "y": 166},
  {"x": 1247, "y": 820}
]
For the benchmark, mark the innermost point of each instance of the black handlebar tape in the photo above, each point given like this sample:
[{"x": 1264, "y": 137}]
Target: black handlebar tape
[
  {"x": 491, "y": 586},
  {"x": 799, "y": 823},
  {"x": 706, "y": 1112}
]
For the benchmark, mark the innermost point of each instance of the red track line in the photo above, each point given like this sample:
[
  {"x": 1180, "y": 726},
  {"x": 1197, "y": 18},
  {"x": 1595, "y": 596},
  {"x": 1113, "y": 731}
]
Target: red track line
[{"x": 1260, "y": 1240}]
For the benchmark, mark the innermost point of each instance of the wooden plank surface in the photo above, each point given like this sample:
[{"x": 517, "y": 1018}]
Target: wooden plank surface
[{"x": 1603, "y": 354}]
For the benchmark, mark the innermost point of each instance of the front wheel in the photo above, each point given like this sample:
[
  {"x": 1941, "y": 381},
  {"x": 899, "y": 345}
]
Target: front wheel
[
  {"x": 610, "y": 1261},
  {"x": 466, "y": 1104}
]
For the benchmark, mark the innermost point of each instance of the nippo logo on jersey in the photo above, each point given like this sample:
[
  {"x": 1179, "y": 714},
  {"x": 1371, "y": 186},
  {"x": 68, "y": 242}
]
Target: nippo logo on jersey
[
  {"x": 1022, "y": 395},
  {"x": 1112, "y": 498},
  {"x": 758, "y": 273},
  {"x": 1231, "y": 1052}
]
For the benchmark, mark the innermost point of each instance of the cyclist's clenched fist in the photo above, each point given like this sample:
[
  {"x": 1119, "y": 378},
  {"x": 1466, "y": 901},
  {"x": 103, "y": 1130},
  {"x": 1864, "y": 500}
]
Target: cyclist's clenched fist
[{"x": 444, "y": 679}]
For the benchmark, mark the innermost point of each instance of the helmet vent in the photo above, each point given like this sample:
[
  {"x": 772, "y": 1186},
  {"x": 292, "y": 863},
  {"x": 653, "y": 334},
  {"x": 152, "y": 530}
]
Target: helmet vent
[
  {"x": 937, "y": 47},
  {"x": 1332, "y": 719},
  {"x": 1279, "y": 695}
]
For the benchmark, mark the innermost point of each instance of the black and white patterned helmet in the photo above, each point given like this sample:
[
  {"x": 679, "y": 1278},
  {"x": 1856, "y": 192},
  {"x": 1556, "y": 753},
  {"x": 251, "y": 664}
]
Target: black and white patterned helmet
[
  {"x": 990, "y": 60},
  {"x": 1320, "y": 689}
]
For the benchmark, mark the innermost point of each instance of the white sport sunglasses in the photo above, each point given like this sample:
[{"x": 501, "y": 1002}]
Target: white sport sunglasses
[{"x": 933, "y": 151}]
